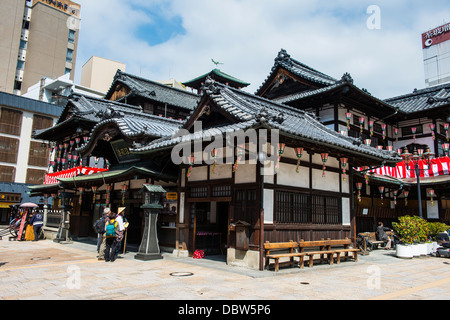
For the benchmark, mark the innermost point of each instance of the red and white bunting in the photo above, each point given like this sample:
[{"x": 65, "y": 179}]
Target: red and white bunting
[
  {"x": 437, "y": 167},
  {"x": 52, "y": 178}
]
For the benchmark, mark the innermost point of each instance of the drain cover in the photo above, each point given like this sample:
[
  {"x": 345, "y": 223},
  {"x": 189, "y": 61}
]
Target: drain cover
[
  {"x": 40, "y": 258},
  {"x": 181, "y": 274}
]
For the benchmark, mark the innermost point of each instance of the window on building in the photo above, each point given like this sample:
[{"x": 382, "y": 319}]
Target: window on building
[
  {"x": 69, "y": 55},
  {"x": 20, "y": 65},
  {"x": 41, "y": 122},
  {"x": 71, "y": 36},
  {"x": 38, "y": 155},
  {"x": 10, "y": 121},
  {"x": 291, "y": 207},
  {"x": 295, "y": 207},
  {"x": 8, "y": 149},
  {"x": 245, "y": 205},
  {"x": 23, "y": 44},
  {"x": 35, "y": 176},
  {"x": 67, "y": 70},
  {"x": 7, "y": 174},
  {"x": 407, "y": 131}
]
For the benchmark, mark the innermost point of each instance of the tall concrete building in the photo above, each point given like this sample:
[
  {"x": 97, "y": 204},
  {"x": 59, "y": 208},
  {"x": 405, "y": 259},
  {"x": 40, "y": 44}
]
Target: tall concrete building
[
  {"x": 98, "y": 73},
  {"x": 38, "y": 38},
  {"x": 436, "y": 55}
]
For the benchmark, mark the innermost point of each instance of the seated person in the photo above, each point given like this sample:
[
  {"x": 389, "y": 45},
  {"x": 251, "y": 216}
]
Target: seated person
[{"x": 382, "y": 236}]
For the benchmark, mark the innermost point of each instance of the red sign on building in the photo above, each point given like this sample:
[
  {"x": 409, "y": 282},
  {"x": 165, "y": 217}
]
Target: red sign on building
[{"x": 436, "y": 36}]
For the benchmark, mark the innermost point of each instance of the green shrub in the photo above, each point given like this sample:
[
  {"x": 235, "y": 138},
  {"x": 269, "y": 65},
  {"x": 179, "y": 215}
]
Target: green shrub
[
  {"x": 411, "y": 229},
  {"x": 435, "y": 228}
]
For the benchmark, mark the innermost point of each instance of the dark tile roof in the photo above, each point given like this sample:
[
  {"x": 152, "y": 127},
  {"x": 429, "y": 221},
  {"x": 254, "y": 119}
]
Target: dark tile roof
[
  {"x": 155, "y": 91},
  {"x": 299, "y": 69},
  {"x": 422, "y": 100},
  {"x": 253, "y": 111}
]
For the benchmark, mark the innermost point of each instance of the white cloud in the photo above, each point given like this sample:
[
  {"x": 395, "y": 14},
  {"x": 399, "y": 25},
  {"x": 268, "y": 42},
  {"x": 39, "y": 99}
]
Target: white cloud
[{"x": 246, "y": 35}]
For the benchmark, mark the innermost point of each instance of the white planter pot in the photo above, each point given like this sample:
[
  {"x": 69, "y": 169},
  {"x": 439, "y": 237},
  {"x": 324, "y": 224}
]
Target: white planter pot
[
  {"x": 415, "y": 250},
  {"x": 423, "y": 249},
  {"x": 429, "y": 248},
  {"x": 435, "y": 246},
  {"x": 404, "y": 251}
]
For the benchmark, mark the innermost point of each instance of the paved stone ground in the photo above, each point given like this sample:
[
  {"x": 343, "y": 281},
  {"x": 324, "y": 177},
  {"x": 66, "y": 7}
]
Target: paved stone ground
[{"x": 46, "y": 270}]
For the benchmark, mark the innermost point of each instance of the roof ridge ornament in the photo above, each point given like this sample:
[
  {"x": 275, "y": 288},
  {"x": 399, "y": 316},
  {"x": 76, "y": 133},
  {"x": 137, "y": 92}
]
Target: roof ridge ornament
[
  {"x": 346, "y": 77},
  {"x": 210, "y": 86},
  {"x": 283, "y": 56}
]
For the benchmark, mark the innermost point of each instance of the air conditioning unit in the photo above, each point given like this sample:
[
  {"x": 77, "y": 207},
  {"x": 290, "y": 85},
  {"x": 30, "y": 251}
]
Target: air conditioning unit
[
  {"x": 19, "y": 75},
  {"x": 22, "y": 54},
  {"x": 27, "y": 14},
  {"x": 24, "y": 35}
]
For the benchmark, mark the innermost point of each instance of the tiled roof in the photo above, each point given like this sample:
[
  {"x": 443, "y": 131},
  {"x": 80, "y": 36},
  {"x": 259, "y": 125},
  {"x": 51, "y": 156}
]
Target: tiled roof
[
  {"x": 252, "y": 111},
  {"x": 155, "y": 91},
  {"x": 421, "y": 100},
  {"x": 218, "y": 75},
  {"x": 299, "y": 69}
]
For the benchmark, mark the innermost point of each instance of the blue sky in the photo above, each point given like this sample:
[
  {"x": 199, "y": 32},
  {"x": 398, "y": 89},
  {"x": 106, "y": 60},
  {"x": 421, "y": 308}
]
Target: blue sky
[{"x": 162, "y": 39}]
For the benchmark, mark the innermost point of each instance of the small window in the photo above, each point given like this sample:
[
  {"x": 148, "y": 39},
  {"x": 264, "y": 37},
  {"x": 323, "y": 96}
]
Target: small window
[
  {"x": 69, "y": 55},
  {"x": 71, "y": 36},
  {"x": 20, "y": 65}
]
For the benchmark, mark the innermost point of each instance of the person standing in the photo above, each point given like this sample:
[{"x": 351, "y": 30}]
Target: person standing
[
  {"x": 110, "y": 235},
  {"x": 101, "y": 238},
  {"x": 37, "y": 221},
  {"x": 120, "y": 227}
]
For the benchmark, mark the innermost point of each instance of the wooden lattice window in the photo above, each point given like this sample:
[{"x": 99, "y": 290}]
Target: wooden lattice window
[
  {"x": 35, "y": 176},
  {"x": 7, "y": 174},
  {"x": 38, "y": 155},
  {"x": 40, "y": 122},
  {"x": 10, "y": 121},
  {"x": 8, "y": 149}
]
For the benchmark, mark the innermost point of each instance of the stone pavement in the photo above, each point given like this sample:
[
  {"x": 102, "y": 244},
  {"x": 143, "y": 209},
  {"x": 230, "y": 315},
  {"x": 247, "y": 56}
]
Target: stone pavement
[{"x": 46, "y": 270}]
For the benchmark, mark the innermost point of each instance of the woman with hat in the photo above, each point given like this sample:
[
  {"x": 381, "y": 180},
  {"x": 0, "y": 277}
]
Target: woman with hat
[{"x": 120, "y": 227}]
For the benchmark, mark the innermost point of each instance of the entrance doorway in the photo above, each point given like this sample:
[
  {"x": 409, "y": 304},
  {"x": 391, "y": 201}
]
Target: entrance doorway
[{"x": 209, "y": 227}]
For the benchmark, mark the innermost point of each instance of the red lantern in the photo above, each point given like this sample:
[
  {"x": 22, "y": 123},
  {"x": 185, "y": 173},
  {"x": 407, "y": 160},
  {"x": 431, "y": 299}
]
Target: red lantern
[
  {"x": 324, "y": 160},
  {"x": 299, "y": 154},
  {"x": 81, "y": 190},
  {"x": 94, "y": 191},
  {"x": 108, "y": 193},
  {"x": 359, "y": 187},
  {"x": 344, "y": 162},
  {"x": 381, "y": 189},
  {"x": 406, "y": 193}
]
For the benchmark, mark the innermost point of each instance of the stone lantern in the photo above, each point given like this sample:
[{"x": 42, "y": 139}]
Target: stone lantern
[{"x": 149, "y": 247}]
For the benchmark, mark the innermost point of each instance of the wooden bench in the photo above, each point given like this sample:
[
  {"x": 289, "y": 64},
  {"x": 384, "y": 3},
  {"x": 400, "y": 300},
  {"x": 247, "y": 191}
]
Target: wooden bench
[
  {"x": 278, "y": 250},
  {"x": 372, "y": 239},
  {"x": 328, "y": 248}
]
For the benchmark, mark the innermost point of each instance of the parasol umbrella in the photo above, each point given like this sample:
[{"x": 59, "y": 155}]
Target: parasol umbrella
[{"x": 28, "y": 205}]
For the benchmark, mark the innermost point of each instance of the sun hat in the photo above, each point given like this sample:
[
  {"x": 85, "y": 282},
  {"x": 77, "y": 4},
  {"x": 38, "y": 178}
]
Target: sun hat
[{"x": 120, "y": 210}]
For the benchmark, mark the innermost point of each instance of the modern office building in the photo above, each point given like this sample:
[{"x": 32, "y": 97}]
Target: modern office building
[
  {"x": 38, "y": 38},
  {"x": 436, "y": 55},
  {"x": 23, "y": 159}
]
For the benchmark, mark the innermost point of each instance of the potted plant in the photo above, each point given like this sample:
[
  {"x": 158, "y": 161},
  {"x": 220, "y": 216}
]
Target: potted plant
[
  {"x": 412, "y": 232},
  {"x": 406, "y": 234},
  {"x": 434, "y": 228},
  {"x": 422, "y": 234}
]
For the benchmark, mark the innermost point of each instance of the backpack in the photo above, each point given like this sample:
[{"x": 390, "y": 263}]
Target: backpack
[
  {"x": 111, "y": 227},
  {"x": 99, "y": 225}
]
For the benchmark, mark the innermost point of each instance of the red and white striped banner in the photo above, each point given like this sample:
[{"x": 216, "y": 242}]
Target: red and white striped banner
[
  {"x": 437, "y": 167},
  {"x": 51, "y": 178}
]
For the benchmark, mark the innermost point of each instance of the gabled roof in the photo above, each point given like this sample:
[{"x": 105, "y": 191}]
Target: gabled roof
[
  {"x": 315, "y": 78},
  {"x": 80, "y": 109},
  {"x": 131, "y": 124},
  {"x": 422, "y": 100},
  {"x": 218, "y": 76},
  {"x": 250, "y": 111},
  {"x": 153, "y": 90}
]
